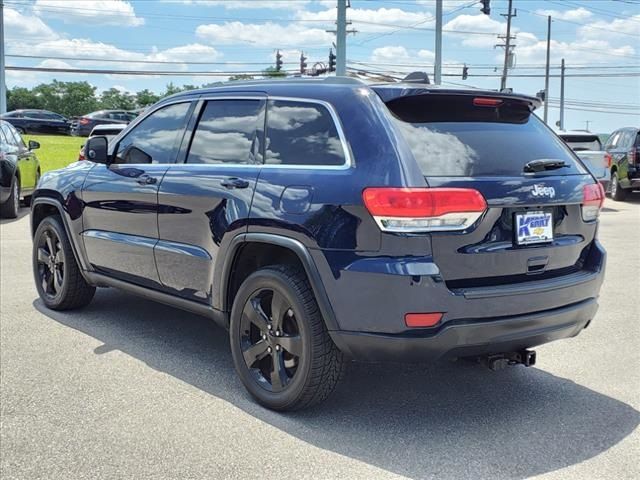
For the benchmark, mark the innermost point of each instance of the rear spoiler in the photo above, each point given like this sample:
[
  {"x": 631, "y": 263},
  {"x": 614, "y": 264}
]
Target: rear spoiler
[{"x": 390, "y": 92}]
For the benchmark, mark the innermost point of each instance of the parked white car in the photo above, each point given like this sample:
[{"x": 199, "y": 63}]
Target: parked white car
[{"x": 588, "y": 147}]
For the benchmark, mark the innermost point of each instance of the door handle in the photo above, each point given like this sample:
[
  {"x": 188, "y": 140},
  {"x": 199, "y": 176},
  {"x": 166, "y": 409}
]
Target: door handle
[
  {"x": 146, "y": 180},
  {"x": 234, "y": 182}
]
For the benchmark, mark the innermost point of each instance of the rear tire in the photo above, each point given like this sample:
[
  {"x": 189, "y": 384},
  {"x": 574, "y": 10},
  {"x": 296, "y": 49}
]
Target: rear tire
[
  {"x": 59, "y": 282},
  {"x": 617, "y": 192},
  {"x": 280, "y": 345},
  {"x": 9, "y": 209},
  {"x": 21, "y": 130}
]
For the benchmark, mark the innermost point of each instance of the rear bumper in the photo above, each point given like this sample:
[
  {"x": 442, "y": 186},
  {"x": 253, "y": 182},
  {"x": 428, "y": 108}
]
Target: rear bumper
[
  {"x": 462, "y": 338},
  {"x": 370, "y": 301}
]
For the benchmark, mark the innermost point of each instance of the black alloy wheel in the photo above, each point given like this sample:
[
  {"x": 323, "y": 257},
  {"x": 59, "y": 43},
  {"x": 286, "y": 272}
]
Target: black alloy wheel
[
  {"x": 50, "y": 263},
  {"x": 281, "y": 348},
  {"x": 270, "y": 339},
  {"x": 58, "y": 278}
]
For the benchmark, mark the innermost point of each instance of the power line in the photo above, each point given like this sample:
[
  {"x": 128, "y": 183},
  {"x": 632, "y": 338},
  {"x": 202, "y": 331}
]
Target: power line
[{"x": 167, "y": 62}]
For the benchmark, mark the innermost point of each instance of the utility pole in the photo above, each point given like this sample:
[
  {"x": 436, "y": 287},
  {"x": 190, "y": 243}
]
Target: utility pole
[
  {"x": 562, "y": 95},
  {"x": 587, "y": 122},
  {"x": 546, "y": 73},
  {"x": 3, "y": 84},
  {"x": 341, "y": 39},
  {"x": 507, "y": 46},
  {"x": 437, "y": 68}
]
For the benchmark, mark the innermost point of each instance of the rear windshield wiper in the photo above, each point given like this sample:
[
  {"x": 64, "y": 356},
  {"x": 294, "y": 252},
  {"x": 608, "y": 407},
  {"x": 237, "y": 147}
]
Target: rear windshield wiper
[{"x": 541, "y": 165}]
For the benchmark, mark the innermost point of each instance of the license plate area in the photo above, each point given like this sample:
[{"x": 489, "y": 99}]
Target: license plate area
[{"x": 533, "y": 227}]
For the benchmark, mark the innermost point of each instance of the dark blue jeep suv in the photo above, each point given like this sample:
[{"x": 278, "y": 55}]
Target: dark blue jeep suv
[{"x": 319, "y": 220}]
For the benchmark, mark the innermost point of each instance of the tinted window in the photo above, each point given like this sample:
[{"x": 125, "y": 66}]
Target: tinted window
[
  {"x": 301, "y": 133},
  {"x": 449, "y": 136},
  {"x": 10, "y": 138},
  {"x": 582, "y": 142},
  {"x": 16, "y": 135},
  {"x": 154, "y": 139},
  {"x": 625, "y": 140},
  {"x": 611, "y": 142},
  {"x": 229, "y": 131}
]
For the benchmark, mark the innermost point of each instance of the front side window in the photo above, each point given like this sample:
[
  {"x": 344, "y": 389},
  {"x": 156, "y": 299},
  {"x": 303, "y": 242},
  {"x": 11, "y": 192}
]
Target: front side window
[
  {"x": 155, "y": 139},
  {"x": 229, "y": 131},
  {"x": 301, "y": 133}
]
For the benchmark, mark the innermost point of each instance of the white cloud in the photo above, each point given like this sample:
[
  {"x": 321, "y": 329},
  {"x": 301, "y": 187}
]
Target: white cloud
[
  {"x": 476, "y": 23},
  {"x": 578, "y": 52},
  {"x": 622, "y": 29},
  {"x": 265, "y": 34},
  {"x": 576, "y": 15},
  {"x": 194, "y": 52},
  {"x": 361, "y": 18},
  {"x": 399, "y": 54},
  {"x": 98, "y": 12},
  {"x": 18, "y": 26}
]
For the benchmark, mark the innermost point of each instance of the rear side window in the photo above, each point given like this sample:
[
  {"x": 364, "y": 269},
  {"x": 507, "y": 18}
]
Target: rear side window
[
  {"x": 449, "y": 136},
  {"x": 229, "y": 131},
  {"x": 301, "y": 133},
  {"x": 155, "y": 139}
]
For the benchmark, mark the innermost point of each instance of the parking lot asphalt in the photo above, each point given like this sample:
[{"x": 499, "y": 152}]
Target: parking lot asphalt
[{"x": 131, "y": 389}]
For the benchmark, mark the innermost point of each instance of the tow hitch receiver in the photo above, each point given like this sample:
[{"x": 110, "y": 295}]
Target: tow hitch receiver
[{"x": 502, "y": 360}]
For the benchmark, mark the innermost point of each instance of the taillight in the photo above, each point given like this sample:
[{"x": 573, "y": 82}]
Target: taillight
[
  {"x": 84, "y": 121},
  {"x": 608, "y": 159},
  {"x": 633, "y": 157},
  {"x": 422, "y": 320},
  {"x": 415, "y": 210},
  {"x": 592, "y": 200},
  {"x": 487, "y": 102}
]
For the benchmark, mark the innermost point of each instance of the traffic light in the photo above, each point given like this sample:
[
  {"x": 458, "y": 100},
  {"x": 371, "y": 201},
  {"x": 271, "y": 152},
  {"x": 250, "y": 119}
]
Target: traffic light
[
  {"x": 303, "y": 63},
  {"x": 465, "y": 72},
  {"x": 332, "y": 61},
  {"x": 278, "y": 61},
  {"x": 486, "y": 8}
]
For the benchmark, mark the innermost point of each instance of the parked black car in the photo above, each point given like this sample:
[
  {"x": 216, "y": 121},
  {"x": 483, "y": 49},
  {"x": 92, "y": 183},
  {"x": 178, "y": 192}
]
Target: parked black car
[
  {"x": 38, "y": 121},
  {"x": 19, "y": 170},
  {"x": 82, "y": 126},
  {"x": 318, "y": 220},
  {"x": 623, "y": 157}
]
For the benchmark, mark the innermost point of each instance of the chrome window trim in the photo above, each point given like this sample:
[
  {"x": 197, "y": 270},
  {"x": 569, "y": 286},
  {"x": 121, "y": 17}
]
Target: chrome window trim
[{"x": 349, "y": 162}]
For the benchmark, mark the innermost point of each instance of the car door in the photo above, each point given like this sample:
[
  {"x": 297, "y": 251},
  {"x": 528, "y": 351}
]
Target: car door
[
  {"x": 25, "y": 160},
  {"x": 204, "y": 202},
  {"x": 120, "y": 218}
]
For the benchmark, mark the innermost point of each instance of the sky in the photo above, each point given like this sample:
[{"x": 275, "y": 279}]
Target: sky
[{"x": 599, "y": 40}]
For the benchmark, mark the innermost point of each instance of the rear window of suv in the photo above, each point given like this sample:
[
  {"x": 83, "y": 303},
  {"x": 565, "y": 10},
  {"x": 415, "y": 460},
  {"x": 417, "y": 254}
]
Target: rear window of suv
[{"x": 450, "y": 136}]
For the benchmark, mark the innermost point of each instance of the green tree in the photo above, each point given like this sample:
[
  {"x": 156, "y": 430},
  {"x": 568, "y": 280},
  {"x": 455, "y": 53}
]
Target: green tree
[
  {"x": 114, "y": 99},
  {"x": 146, "y": 97},
  {"x": 271, "y": 72},
  {"x": 20, "y": 97},
  {"x": 170, "y": 90},
  {"x": 240, "y": 76},
  {"x": 67, "y": 98}
]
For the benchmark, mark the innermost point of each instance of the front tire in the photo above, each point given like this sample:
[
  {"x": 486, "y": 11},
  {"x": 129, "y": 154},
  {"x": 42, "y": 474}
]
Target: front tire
[
  {"x": 617, "y": 192},
  {"x": 9, "y": 209},
  {"x": 59, "y": 282},
  {"x": 280, "y": 345}
]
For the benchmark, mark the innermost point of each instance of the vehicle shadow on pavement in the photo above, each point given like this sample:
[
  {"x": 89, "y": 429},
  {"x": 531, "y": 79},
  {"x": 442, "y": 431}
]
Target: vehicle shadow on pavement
[
  {"x": 23, "y": 212},
  {"x": 447, "y": 420}
]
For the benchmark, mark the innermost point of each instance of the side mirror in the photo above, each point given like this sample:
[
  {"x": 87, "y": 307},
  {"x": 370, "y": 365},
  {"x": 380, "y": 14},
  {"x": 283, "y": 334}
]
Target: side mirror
[
  {"x": 96, "y": 149},
  {"x": 33, "y": 145}
]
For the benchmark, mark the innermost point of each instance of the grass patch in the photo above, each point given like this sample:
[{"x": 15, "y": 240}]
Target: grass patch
[{"x": 56, "y": 151}]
